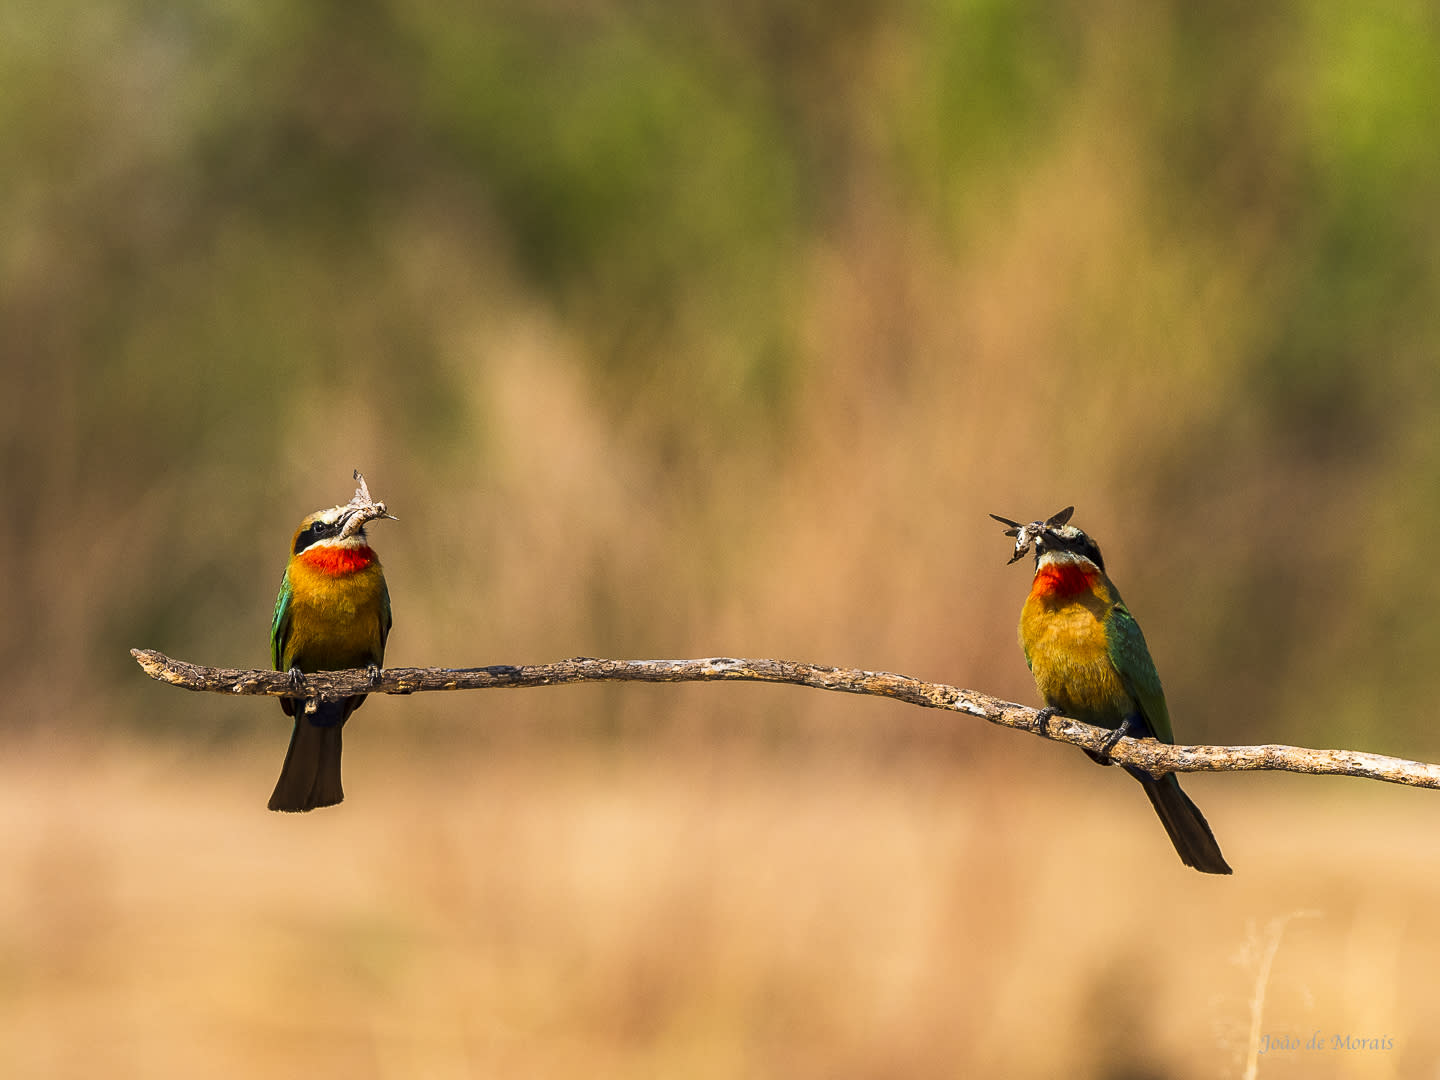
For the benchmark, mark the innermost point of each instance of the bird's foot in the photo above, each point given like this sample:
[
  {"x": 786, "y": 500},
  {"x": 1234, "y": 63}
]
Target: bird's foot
[
  {"x": 373, "y": 670},
  {"x": 296, "y": 678},
  {"x": 1042, "y": 720},
  {"x": 1103, "y": 754}
]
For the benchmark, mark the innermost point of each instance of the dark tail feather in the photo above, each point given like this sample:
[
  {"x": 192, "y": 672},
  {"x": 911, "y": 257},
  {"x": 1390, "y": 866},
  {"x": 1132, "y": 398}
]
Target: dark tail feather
[
  {"x": 310, "y": 776},
  {"x": 1182, "y": 819}
]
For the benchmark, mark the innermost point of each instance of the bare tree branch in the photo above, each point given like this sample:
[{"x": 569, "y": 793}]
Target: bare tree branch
[{"x": 1148, "y": 754}]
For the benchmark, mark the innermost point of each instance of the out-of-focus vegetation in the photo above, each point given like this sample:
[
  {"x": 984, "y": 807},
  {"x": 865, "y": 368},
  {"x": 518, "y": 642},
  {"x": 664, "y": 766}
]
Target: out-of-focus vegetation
[{"x": 718, "y": 328}]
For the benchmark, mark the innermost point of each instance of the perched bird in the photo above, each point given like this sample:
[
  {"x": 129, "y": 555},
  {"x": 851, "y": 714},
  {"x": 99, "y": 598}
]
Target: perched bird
[
  {"x": 333, "y": 613},
  {"x": 1090, "y": 662}
]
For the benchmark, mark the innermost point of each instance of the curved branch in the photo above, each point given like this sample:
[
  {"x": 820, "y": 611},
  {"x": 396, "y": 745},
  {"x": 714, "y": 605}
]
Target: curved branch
[{"x": 1155, "y": 757}]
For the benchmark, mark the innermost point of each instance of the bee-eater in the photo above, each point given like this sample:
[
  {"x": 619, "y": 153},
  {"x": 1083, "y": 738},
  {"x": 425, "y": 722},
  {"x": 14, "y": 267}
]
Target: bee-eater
[
  {"x": 333, "y": 613},
  {"x": 1090, "y": 662}
]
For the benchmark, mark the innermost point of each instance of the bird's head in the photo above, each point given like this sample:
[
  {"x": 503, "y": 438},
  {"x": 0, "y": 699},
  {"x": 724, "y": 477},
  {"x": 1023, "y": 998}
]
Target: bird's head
[
  {"x": 341, "y": 526},
  {"x": 1054, "y": 540}
]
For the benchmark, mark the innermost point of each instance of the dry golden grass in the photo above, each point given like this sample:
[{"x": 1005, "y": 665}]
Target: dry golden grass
[{"x": 653, "y": 909}]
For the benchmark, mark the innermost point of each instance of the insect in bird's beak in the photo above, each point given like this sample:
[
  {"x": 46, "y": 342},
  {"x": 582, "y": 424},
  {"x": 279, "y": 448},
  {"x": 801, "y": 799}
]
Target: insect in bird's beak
[
  {"x": 1026, "y": 535},
  {"x": 362, "y": 509}
]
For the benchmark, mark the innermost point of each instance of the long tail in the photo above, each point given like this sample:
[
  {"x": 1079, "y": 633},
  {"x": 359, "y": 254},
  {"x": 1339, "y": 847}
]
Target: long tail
[
  {"x": 1188, "y": 830},
  {"x": 310, "y": 776}
]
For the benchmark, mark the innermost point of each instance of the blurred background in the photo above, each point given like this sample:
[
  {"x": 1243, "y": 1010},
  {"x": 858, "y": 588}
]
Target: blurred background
[{"x": 716, "y": 328}]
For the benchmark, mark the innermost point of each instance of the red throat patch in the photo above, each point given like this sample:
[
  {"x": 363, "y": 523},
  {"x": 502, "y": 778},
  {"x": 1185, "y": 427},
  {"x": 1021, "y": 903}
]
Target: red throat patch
[
  {"x": 329, "y": 559},
  {"x": 1062, "y": 579}
]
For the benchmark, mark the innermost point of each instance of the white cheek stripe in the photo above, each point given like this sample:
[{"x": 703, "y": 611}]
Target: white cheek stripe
[{"x": 356, "y": 541}]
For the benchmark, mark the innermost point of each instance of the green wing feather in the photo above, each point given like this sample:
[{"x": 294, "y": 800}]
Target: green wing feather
[
  {"x": 1131, "y": 657},
  {"x": 384, "y": 615},
  {"x": 280, "y": 624}
]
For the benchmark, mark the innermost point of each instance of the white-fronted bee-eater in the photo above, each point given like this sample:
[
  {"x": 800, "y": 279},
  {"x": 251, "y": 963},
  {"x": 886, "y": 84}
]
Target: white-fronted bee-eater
[
  {"x": 333, "y": 613},
  {"x": 1090, "y": 661}
]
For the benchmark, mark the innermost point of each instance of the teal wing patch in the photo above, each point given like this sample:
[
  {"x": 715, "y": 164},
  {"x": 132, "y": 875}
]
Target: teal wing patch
[
  {"x": 280, "y": 624},
  {"x": 1131, "y": 657},
  {"x": 384, "y": 618}
]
